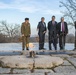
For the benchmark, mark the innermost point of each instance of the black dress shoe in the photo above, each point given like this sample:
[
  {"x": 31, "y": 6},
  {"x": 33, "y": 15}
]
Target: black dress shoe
[
  {"x": 61, "y": 48},
  {"x": 27, "y": 48},
  {"x": 39, "y": 48},
  {"x": 23, "y": 49},
  {"x": 55, "y": 48},
  {"x": 44, "y": 48},
  {"x": 50, "y": 49}
]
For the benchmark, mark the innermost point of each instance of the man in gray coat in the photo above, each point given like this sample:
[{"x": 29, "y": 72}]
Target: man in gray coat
[{"x": 41, "y": 32}]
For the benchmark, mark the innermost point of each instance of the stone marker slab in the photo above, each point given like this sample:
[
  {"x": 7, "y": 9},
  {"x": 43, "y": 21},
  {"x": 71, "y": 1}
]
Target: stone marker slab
[
  {"x": 4, "y": 70},
  {"x": 73, "y": 73},
  {"x": 43, "y": 70},
  {"x": 71, "y": 52},
  {"x": 66, "y": 63},
  {"x": 25, "y": 74},
  {"x": 73, "y": 61},
  {"x": 22, "y": 71},
  {"x": 42, "y": 74},
  {"x": 41, "y": 61},
  {"x": 74, "y": 56},
  {"x": 16, "y": 61},
  {"x": 55, "y": 74},
  {"x": 62, "y": 73},
  {"x": 61, "y": 55},
  {"x": 65, "y": 69},
  {"x": 47, "y": 61}
]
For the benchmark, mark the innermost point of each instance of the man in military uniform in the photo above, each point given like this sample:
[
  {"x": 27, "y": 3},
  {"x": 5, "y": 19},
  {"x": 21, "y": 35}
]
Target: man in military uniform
[
  {"x": 41, "y": 32},
  {"x": 25, "y": 31}
]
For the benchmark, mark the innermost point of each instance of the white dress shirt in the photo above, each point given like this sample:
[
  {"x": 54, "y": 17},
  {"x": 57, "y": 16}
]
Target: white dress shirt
[{"x": 61, "y": 26}]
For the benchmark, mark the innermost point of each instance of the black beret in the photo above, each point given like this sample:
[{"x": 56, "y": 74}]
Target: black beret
[{"x": 42, "y": 18}]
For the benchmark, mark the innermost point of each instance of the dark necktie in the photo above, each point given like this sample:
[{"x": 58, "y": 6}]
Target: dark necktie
[
  {"x": 63, "y": 26},
  {"x": 44, "y": 24}
]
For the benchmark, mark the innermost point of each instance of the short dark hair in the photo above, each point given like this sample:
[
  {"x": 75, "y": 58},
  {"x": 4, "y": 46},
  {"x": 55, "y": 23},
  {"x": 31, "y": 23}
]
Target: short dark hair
[
  {"x": 53, "y": 16},
  {"x": 42, "y": 18},
  {"x": 62, "y": 17},
  {"x": 26, "y": 19}
]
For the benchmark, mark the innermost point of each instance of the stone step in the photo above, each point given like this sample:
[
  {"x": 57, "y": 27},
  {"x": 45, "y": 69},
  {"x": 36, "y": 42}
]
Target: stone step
[
  {"x": 43, "y": 74},
  {"x": 40, "y": 61}
]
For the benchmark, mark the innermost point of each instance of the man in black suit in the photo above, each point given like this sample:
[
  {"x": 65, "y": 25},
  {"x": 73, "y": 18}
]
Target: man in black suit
[
  {"x": 41, "y": 32},
  {"x": 62, "y": 31},
  {"x": 52, "y": 28}
]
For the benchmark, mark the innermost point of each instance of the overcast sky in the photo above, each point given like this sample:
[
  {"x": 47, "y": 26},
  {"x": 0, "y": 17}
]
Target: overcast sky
[{"x": 14, "y": 11}]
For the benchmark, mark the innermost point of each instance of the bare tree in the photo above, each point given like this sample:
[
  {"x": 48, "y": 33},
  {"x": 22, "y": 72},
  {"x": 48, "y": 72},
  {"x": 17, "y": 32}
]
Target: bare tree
[
  {"x": 10, "y": 30},
  {"x": 70, "y": 12}
]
